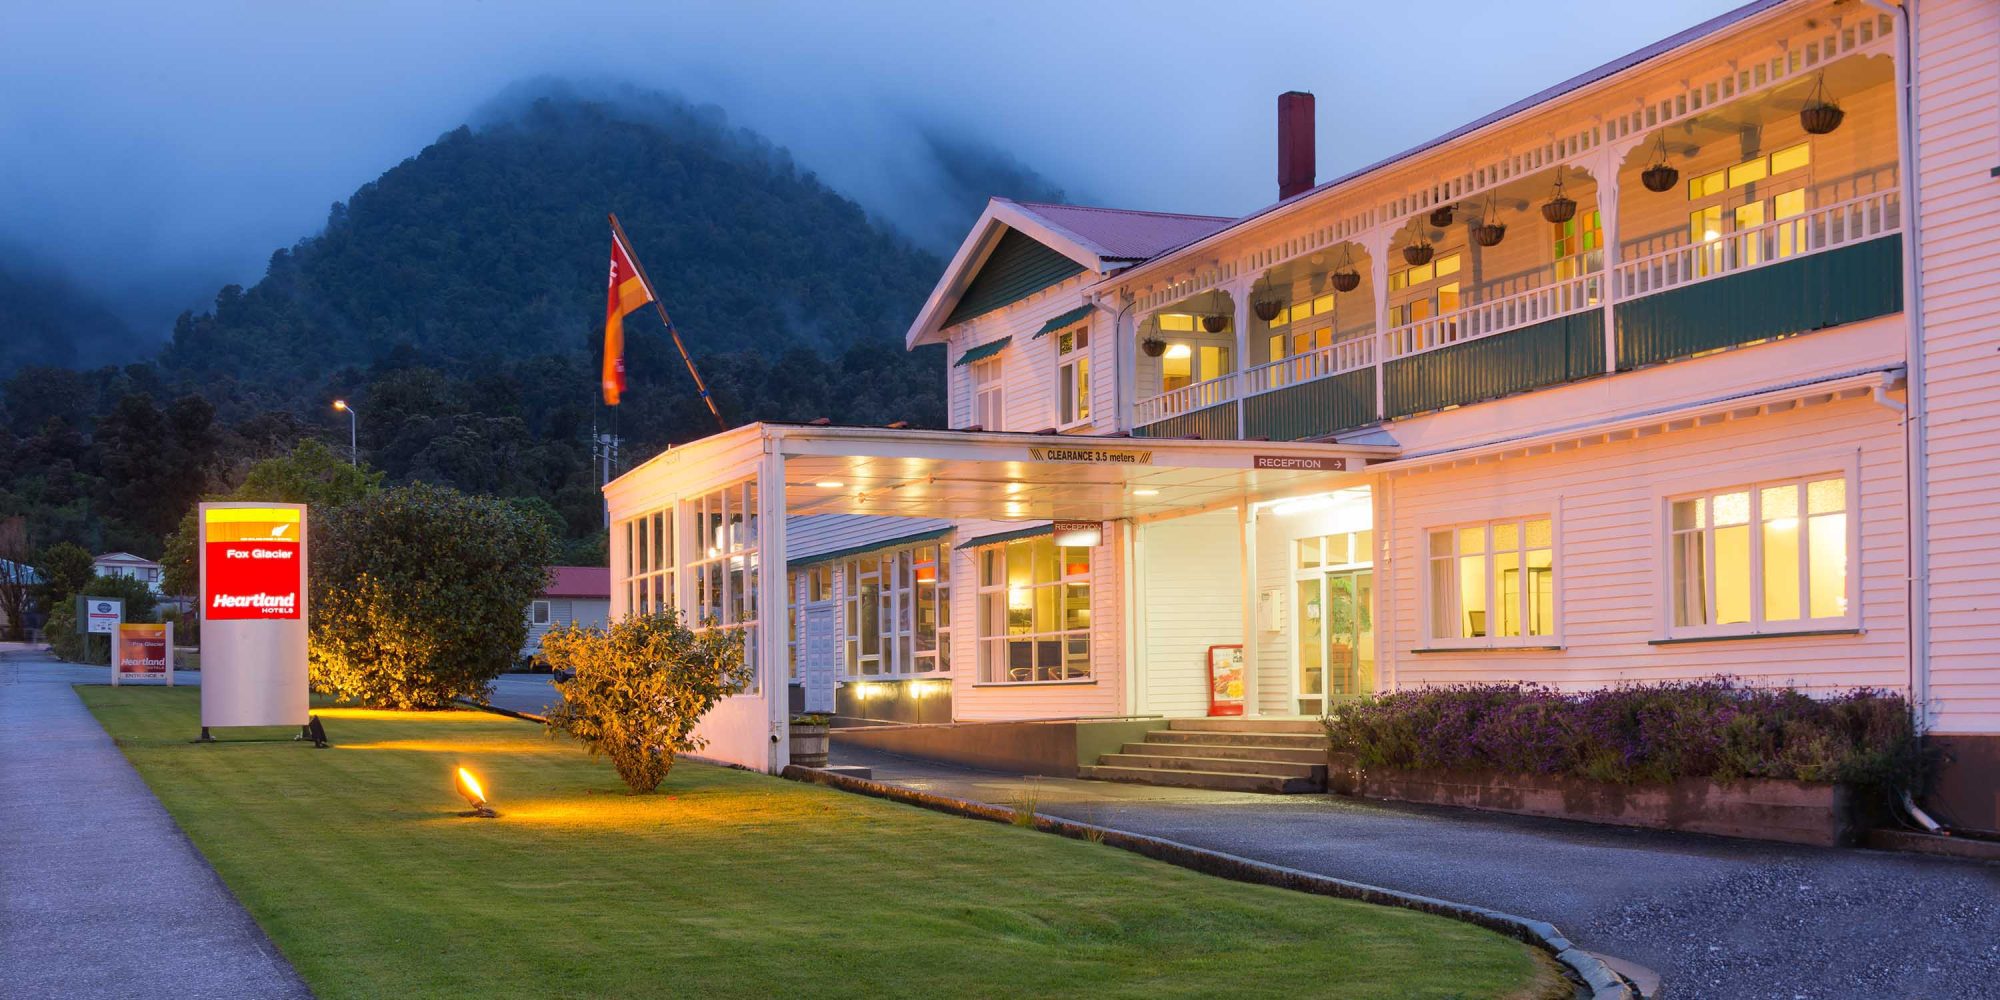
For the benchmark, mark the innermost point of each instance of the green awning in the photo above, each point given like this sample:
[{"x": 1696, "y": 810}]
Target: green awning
[
  {"x": 982, "y": 352},
  {"x": 1045, "y": 528},
  {"x": 1061, "y": 321},
  {"x": 887, "y": 543}
]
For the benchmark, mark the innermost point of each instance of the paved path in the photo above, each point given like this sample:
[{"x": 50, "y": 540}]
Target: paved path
[
  {"x": 1717, "y": 918},
  {"x": 101, "y": 895}
]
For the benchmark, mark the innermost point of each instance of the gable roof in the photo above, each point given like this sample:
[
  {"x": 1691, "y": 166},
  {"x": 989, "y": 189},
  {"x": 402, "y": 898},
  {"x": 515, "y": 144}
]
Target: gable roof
[
  {"x": 121, "y": 559},
  {"x": 1117, "y": 234},
  {"x": 579, "y": 581},
  {"x": 1030, "y": 241}
]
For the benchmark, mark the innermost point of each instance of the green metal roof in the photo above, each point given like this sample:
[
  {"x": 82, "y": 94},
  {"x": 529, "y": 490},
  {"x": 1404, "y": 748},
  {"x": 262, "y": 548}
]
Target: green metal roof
[
  {"x": 1017, "y": 268},
  {"x": 1062, "y": 321},
  {"x": 1017, "y": 534},
  {"x": 886, "y": 543},
  {"x": 982, "y": 352}
]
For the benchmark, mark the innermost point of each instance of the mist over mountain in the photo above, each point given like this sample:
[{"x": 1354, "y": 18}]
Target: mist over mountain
[
  {"x": 458, "y": 301},
  {"x": 47, "y": 319}
]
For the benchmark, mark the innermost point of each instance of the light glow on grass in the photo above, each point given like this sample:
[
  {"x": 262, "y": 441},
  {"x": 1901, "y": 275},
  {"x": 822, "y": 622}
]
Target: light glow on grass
[{"x": 728, "y": 884}]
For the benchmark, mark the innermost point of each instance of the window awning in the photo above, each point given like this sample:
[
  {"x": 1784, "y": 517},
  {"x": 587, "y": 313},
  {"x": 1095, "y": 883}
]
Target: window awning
[
  {"x": 1074, "y": 315},
  {"x": 1032, "y": 531},
  {"x": 982, "y": 352}
]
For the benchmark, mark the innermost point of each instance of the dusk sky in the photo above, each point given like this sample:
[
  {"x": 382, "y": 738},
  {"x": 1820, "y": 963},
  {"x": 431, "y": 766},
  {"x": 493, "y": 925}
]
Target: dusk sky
[{"x": 181, "y": 143}]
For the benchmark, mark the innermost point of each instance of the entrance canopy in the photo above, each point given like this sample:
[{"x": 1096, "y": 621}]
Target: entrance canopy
[{"x": 997, "y": 476}]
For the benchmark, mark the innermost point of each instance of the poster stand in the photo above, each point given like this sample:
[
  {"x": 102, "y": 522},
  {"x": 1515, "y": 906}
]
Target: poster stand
[{"x": 1225, "y": 680}]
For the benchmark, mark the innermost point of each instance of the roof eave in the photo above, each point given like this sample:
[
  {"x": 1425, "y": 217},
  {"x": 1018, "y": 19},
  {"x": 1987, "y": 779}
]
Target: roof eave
[{"x": 928, "y": 327}]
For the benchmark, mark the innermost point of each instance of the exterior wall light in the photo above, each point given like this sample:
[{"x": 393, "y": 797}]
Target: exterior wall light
[{"x": 468, "y": 786}]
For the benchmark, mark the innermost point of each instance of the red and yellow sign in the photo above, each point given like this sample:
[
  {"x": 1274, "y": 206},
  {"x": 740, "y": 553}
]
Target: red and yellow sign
[
  {"x": 251, "y": 562},
  {"x": 142, "y": 650}
]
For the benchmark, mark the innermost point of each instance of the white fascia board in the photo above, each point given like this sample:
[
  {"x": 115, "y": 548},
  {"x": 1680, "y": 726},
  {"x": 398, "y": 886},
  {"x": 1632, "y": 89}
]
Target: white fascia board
[{"x": 1000, "y": 214}]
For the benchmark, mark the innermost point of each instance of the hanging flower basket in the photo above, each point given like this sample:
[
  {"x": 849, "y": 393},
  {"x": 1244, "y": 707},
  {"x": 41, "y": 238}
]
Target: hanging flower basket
[
  {"x": 1418, "y": 254},
  {"x": 1214, "y": 322},
  {"x": 1660, "y": 178},
  {"x": 1266, "y": 308},
  {"x": 1441, "y": 216},
  {"x": 1153, "y": 346},
  {"x": 1346, "y": 281},
  {"x": 1821, "y": 113},
  {"x": 1489, "y": 234},
  {"x": 1560, "y": 207}
]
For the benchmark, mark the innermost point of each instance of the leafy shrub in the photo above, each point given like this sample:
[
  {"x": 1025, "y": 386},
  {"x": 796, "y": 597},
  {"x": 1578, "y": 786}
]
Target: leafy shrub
[
  {"x": 60, "y": 630},
  {"x": 420, "y": 595},
  {"x": 1635, "y": 734},
  {"x": 638, "y": 688}
]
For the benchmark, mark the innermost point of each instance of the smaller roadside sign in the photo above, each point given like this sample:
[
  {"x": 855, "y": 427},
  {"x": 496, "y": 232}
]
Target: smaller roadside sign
[
  {"x": 143, "y": 651},
  {"x": 101, "y": 615}
]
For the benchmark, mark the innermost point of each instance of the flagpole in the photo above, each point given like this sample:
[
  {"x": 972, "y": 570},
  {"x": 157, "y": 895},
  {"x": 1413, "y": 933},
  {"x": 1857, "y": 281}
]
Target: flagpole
[{"x": 720, "y": 424}]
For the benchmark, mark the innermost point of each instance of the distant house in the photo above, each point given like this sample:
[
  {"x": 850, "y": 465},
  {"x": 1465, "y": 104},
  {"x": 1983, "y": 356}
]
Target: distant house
[
  {"x": 128, "y": 565},
  {"x": 575, "y": 594}
]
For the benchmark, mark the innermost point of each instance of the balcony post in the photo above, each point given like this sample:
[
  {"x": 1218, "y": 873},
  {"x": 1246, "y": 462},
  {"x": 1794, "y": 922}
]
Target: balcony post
[
  {"x": 1375, "y": 243},
  {"x": 1239, "y": 298},
  {"x": 1604, "y": 166}
]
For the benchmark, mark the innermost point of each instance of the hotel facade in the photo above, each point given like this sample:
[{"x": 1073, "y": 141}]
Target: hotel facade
[{"x": 1685, "y": 367}]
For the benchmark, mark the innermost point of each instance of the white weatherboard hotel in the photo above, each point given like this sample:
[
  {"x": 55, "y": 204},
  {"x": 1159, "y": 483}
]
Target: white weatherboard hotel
[{"x": 1669, "y": 371}]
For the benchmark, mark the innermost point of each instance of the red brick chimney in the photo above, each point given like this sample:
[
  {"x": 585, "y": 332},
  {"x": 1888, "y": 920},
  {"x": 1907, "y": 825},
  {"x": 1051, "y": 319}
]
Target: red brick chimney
[{"x": 1295, "y": 143}]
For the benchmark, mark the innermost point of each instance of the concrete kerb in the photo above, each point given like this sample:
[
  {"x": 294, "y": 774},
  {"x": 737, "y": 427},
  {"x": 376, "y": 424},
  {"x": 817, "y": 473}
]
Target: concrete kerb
[
  {"x": 497, "y": 710},
  {"x": 1603, "y": 983}
]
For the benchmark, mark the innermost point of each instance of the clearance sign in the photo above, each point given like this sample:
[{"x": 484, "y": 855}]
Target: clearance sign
[{"x": 251, "y": 562}]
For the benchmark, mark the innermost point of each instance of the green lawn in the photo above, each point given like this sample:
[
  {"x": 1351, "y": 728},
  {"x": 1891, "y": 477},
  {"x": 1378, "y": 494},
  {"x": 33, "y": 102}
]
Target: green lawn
[{"x": 726, "y": 883}]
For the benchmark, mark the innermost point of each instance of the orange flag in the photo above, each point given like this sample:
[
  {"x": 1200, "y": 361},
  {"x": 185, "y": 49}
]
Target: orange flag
[{"x": 628, "y": 292}]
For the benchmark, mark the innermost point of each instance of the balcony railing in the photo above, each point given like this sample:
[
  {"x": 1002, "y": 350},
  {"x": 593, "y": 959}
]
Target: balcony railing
[
  {"x": 1827, "y": 228},
  {"x": 1484, "y": 319},
  {"x": 1344, "y": 356},
  {"x": 1186, "y": 399}
]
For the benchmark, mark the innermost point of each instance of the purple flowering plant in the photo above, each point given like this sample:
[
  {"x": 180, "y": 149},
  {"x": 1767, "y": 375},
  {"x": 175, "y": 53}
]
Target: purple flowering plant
[{"x": 1717, "y": 728}]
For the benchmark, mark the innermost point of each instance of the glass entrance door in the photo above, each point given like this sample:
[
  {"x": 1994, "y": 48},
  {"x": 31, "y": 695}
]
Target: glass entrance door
[{"x": 1335, "y": 638}]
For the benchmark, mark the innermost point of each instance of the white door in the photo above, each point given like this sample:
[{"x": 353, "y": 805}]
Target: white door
[{"x": 821, "y": 656}]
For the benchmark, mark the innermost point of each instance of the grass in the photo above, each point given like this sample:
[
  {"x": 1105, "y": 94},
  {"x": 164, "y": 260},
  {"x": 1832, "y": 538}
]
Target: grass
[{"x": 725, "y": 883}]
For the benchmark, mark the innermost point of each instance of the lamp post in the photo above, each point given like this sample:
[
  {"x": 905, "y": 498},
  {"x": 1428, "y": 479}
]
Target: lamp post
[{"x": 353, "y": 440}]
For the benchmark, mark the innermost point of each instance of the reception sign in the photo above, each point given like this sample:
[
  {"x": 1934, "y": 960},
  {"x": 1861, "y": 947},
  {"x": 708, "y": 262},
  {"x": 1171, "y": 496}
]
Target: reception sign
[
  {"x": 143, "y": 652},
  {"x": 253, "y": 605}
]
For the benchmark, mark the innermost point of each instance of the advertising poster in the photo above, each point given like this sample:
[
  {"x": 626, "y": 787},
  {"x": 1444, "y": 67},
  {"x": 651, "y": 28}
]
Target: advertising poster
[
  {"x": 251, "y": 558},
  {"x": 1225, "y": 680},
  {"x": 143, "y": 652}
]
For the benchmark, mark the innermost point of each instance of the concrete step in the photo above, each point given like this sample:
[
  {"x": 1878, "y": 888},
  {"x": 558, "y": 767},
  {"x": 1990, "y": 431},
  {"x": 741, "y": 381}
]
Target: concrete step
[
  {"x": 1301, "y": 741},
  {"x": 1310, "y": 727},
  {"x": 1288, "y": 755},
  {"x": 1221, "y": 781},
  {"x": 1225, "y": 764}
]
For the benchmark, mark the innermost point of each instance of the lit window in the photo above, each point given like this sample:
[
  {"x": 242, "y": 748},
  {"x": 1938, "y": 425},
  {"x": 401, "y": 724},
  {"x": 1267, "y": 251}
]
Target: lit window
[
  {"x": 1073, "y": 376},
  {"x": 1177, "y": 322},
  {"x": 1034, "y": 612},
  {"x": 897, "y": 612},
  {"x": 1765, "y": 558},
  {"x": 1493, "y": 582},
  {"x": 1748, "y": 172},
  {"x": 1791, "y": 158},
  {"x": 647, "y": 570},
  {"x": 722, "y": 564},
  {"x": 1708, "y": 185}
]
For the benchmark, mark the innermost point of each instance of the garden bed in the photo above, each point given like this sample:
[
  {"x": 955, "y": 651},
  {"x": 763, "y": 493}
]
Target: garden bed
[
  {"x": 1709, "y": 756},
  {"x": 1796, "y": 812}
]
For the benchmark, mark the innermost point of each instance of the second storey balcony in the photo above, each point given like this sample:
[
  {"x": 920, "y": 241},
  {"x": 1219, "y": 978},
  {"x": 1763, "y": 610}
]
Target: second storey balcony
[{"x": 1718, "y": 231}]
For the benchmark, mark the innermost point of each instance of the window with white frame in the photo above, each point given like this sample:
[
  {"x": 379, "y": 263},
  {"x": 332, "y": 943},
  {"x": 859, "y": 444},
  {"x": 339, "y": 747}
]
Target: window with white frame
[
  {"x": 1767, "y": 557},
  {"x": 649, "y": 562},
  {"x": 986, "y": 396},
  {"x": 538, "y": 613},
  {"x": 723, "y": 563},
  {"x": 1034, "y": 612},
  {"x": 1073, "y": 375},
  {"x": 1493, "y": 583},
  {"x": 898, "y": 612}
]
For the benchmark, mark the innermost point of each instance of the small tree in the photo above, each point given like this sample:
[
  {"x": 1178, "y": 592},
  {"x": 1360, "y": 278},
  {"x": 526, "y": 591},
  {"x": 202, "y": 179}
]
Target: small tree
[
  {"x": 65, "y": 568},
  {"x": 420, "y": 595},
  {"x": 639, "y": 687},
  {"x": 311, "y": 473}
]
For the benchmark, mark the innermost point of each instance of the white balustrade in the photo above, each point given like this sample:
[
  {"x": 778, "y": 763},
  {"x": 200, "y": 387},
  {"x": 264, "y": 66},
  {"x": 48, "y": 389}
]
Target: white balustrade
[
  {"x": 1508, "y": 312},
  {"x": 1186, "y": 399},
  {"x": 1826, "y": 228},
  {"x": 1334, "y": 359}
]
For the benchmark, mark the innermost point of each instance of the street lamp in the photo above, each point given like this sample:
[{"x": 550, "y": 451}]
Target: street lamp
[{"x": 353, "y": 445}]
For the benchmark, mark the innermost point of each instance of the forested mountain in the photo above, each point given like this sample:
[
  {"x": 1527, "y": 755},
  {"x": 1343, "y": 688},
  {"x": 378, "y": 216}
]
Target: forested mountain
[
  {"x": 46, "y": 320},
  {"x": 458, "y": 300}
]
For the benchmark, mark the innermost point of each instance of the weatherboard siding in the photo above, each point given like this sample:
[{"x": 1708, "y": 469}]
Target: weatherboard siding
[
  {"x": 1958, "y": 119},
  {"x": 1608, "y": 503},
  {"x": 1189, "y": 596},
  {"x": 1027, "y": 365}
]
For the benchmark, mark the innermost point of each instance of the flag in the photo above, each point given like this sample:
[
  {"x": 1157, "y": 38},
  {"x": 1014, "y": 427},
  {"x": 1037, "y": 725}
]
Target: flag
[{"x": 628, "y": 291}]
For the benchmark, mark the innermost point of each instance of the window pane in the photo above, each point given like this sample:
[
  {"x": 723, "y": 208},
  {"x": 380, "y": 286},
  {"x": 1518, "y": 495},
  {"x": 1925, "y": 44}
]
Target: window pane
[
  {"x": 1364, "y": 546},
  {"x": 1746, "y": 173},
  {"x": 1506, "y": 592},
  {"x": 1732, "y": 508},
  {"x": 1472, "y": 596},
  {"x": 1082, "y": 389},
  {"x": 1690, "y": 575},
  {"x": 1541, "y": 591},
  {"x": 1827, "y": 559},
  {"x": 1781, "y": 553},
  {"x": 1826, "y": 496},
  {"x": 1687, "y": 514},
  {"x": 1441, "y": 543},
  {"x": 1076, "y": 607},
  {"x": 1791, "y": 158},
  {"x": 1471, "y": 540},
  {"x": 1732, "y": 571},
  {"x": 1309, "y": 552},
  {"x": 1447, "y": 264},
  {"x": 1506, "y": 537}
]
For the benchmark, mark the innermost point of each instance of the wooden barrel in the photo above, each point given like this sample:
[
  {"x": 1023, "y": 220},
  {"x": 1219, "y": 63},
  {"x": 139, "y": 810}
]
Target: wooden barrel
[{"x": 809, "y": 745}]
